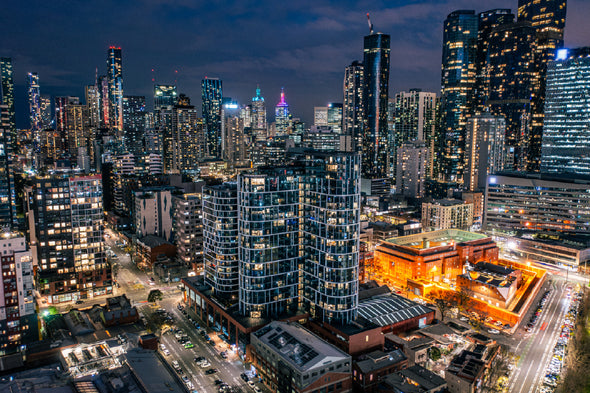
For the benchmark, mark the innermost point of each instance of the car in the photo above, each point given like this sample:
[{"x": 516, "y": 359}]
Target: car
[
  {"x": 175, "y": 364},
  {"x": 185, "y": 379},
  {"x": 494, "y": 331},
  {"x": 223, "y": 355},
  {"x": 205, "y": 364},
  {"x": 211, "y": 371},
  {"x": 251, "y": 384},
  {"x": 464, "y": 319},
  {"x": 207, "y": 337},
  {"x": 188, "y": 345},
  {"x": 257, "y": 389},
  {"x": 166, "y": 352},
  {"x": 218, "y": 382},
  {"x": 212, "y": 343},
  {"x": 244, "y": 377},
  {"x": 190, "y": 385},
  {"x": 199, "y": 359},
  {"x": 79, "y": 301},
  {"x": 152, "y": 283}
]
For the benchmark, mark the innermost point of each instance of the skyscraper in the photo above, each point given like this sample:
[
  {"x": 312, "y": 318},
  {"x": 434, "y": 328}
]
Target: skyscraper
[
  {"x": 134, "y": 114},
  {"x": 211, "y": 94},
  {"x": 186, "y": 136},
  {"x": 415, "y": 119},
  {"x": 115, "y": 80},
  {"x": 93, "y": 105},
  {"x": 282, "y": 115},
  {"x": 45, "y": 111},
  {"x": 511, "y": 67},
  {"x": 375, "y": 96},
  {"x": 258, "y": 116},
  {"x": 485, "y": 150},
  {"x": 34, "y": 104},
  {"x": 7, "y": 97},
  {"x": 547, "y": 17},
  {"x": 335, "y": 116},
  {"x": 412, "y": 163},
  {"x": 164, "y": 95},
  {"x": 488, "y": 21},
  {"x": 7, "y": 191},
  {"x": 566, "y": 137},
  {"x": 353, "y": 106},
  {"x": 457, "y": 81},
  {"x": 105, "y": 106}
]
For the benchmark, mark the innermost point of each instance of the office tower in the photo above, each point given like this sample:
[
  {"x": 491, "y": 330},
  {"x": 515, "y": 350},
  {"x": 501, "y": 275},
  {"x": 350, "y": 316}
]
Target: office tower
[
  {"x": 235, "y": 146},
  {"x": 412, "y": 162},
  {"x": 76, "y": 124},
  {"x": 115, "y": 80},
  {"x": 335, "y": 116},
  {"x": 269, "y": 244},
  {"x": 34, "y": 104},
  {"x": 65, "y": 229},
  {"x": 331, "y": 228},
  {"x": 45, "y": 112},
  {"x": 457, "y": 81},
  {"x": 187, "y": 136},
  {"x": 134, "y": 113},
  {"x": 211, "y": 94},
  {"x": 566, "y": 137},
  {"x": 18, "y": 319},
  {"x": 447, "y": 214},
  {"x": 246, "y": 116},
  {"x": 415, "y": 119},
  {"x": 220, "y": 240},
  {"x": 488, "y": 21},
  {"x": 548, "y": 19},
  {"x": 258, "y": 116},
  {"x": 320, "y": 116},
  {"x": 7, "y": 190},
  {"x": 533, "y": 203},
  {"x": 188, "y": 230},
  {"x": 153, "y": 212},
  {"x": 353, "y": 106},
  {"x": 375, "y": 96},
  {"x": 485, "y": 150},
  {"x": 164, "y": 95},
  {"x": 325, "y": 138},
  {"x": 7, "y": 97},
  {"x": 282, "y": 116},
  {"x": 105, "y": 107}
]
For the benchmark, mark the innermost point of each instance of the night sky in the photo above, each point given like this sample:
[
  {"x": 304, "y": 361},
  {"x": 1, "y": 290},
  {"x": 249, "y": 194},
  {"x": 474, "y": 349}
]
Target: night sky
[{"x": 303, "y": 45}]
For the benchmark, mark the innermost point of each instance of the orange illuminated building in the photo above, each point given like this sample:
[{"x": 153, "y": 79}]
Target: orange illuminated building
[{"x": 432, "y": 256}]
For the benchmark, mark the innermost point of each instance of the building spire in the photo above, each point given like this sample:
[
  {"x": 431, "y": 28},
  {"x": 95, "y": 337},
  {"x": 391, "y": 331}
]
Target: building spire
[{"x": 282, "y": 103}]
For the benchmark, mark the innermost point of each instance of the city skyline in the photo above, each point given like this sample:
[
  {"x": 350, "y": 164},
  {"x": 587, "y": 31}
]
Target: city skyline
[{"x": 308, "y": 57}]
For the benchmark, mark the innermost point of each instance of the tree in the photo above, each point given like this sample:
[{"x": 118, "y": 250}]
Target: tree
[
  {"x": 434, "y": 353},
  {"x": 154, "y": 296},
  {"x": 443, "y": 301},
  {"x": 463, "y": 299}
]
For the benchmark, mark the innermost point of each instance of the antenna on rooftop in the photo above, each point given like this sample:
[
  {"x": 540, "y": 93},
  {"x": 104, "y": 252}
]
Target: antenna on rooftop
[{"x": 370, "y": 24}]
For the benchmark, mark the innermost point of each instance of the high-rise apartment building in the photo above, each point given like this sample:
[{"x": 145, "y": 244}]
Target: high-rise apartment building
[
  {"x": 7, "y": 96},
  {"x": 134, "y": 119},
  {"x": 290, "y": 234},
  {"x": 153, "y": 212},
  {"x": 187, "y": 136},
  {"x": 34, "y": 97},
  {"x": 485, "y": 150},
  {"x": 188, "y": 230},
  {"x": 115, "y": 83},
  {"x": 220, "y": 240},
  {"x": 76, "y": 128},
  {"x": 45, "y": 112},
  {"x": 415, "y": 119},
  {"x": 234, "y": 138},
  {"x": 413, "y": 159},
  {"x": 375, "y": 98},
  {"x": 258, "y": 116},
  {"x": 269, "y": 242},
  {"x": 457, "y": 81},
  {"x": 7, "y": 189},
  {"x": 282, "y": 115},
  {"x": 335, "y": 116},
  {"x": 18, "y": 319},
  {"x": 353, "y": 118},
  {"x": 102, "y": 84},
  {"x": 320, "y": 116},
  {"x": 566, "y": 136},
  {"x": 211, "y": 94},
  {"x": 511, "y": 68},
  {"x": 447, "y": 214},
  {"x": 165, "y": 97},
  {"x": 65, "y": 230}
]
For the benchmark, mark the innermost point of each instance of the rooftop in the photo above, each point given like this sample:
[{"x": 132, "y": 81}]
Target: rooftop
[
  {"x": 415, "y": 379},
  {"x": 377, "y": 360},
  {"x": 299, "y": 347},
  {"x": 443, "y": 237},
  {"x": 389, "y": 309},
  {"x": 152, "y": 241},
  {"x": 150, "y": 372}
]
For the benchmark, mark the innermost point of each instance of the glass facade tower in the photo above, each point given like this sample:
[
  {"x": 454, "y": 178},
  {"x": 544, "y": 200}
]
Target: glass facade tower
[{"x": 211, "y": 94}]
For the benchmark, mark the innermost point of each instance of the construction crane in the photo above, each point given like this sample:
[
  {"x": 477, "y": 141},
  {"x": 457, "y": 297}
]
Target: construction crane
[{"x": 370, "y": 24}]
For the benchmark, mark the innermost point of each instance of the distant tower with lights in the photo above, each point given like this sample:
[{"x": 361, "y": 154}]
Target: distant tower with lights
[
  {"x": 258, "y": 116},
  {"x": 212, "y": 94},
  {"x": 115, "y": 87},
  {"x": 282, "y": 115}
]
